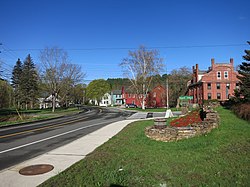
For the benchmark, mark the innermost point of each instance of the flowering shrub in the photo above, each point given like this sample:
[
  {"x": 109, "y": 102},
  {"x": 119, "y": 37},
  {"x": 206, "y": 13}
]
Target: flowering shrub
[{"x": 190, "y": 118}]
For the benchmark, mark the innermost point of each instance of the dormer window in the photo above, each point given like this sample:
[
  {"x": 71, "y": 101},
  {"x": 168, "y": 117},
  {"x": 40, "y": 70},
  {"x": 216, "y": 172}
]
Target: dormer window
[
  {"x": 218, "y": 75},
  {"x": 226, "y": 74}
]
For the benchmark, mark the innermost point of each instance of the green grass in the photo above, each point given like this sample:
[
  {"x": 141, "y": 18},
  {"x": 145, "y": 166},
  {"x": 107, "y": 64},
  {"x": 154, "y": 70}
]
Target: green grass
[
  {"x": 220, "y": 158},
  {"x": 152, "y": 109},
  {"x": 32, "y": 115}
]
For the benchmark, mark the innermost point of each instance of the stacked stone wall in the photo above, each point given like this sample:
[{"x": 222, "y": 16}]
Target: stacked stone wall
[{"x": 169, "y": 133}]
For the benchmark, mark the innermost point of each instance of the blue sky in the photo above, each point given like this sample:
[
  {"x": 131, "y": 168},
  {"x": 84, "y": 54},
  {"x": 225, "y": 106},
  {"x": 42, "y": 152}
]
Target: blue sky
[{"x": 26, "y": 27}]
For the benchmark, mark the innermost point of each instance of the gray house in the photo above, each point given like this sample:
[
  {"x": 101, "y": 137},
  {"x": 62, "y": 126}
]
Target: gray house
[{"x": 116, "y": 98}]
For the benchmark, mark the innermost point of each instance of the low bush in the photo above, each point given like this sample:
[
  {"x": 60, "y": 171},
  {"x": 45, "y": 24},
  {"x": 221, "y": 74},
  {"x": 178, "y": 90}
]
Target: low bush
[{"x": 242, "y": 110}]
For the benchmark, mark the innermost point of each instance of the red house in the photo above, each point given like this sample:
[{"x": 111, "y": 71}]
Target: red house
[
  {"x": 218, "y": 82},
  {"x": 131, "y": 98},
  {"x": 157, "y": 97}
]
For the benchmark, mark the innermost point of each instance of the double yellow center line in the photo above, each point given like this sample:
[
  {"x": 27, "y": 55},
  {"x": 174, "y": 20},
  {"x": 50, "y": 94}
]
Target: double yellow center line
[{"x": 41, "y": 128}]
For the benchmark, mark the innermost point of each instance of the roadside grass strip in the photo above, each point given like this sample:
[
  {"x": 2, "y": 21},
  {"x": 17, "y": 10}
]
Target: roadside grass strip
[{"x": 220, "y": 158}]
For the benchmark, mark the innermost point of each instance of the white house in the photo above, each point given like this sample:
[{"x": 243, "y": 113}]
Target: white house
[
  {"x": 47, "y": 102},
  {"x": 105, "y": 100}
]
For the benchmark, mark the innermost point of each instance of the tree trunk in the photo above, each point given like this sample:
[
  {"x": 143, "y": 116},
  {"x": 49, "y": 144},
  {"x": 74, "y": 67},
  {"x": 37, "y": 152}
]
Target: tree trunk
[
  {"x": 143, "y": 103},
  {"x": 144, "y": 97},
  {"x": 31, "y": 104},
  {"x": 53, "y": 102}
]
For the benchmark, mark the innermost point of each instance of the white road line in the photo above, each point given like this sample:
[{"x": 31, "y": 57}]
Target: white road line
[{"x": 42, "y": 140}]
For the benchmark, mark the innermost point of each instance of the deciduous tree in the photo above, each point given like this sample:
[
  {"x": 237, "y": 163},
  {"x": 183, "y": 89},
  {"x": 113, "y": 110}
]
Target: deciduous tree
[
  {"x": 58, "y": 73},
  {"x": 97, "y": 88},
  {"x": 178, "y": 79},
  {"x": 78, "y": 94},
  {"x": 139, "y": 67},
  {"x": 5, "y": 94}
]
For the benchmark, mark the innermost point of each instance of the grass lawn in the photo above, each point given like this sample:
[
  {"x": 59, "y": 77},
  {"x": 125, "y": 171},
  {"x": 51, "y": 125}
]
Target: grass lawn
[
  {"x": 9, "y": 116},
  {"x": 152, "y": 109},
  {"x": 220, "y": 158}
]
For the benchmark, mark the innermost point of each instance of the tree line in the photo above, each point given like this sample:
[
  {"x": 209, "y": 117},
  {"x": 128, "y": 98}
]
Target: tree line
[
  {"x": 177, "y": 83},
  {"x": 57, "y": 76}
]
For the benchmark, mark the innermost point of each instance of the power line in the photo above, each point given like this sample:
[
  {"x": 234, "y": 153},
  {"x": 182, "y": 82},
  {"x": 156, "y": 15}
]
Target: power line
[
  {"x": 6, "y": 69},
  {"x": 1, "y": 61},
  {"x": 7, "y": 49},
  {"x": 133, "y": 48}
]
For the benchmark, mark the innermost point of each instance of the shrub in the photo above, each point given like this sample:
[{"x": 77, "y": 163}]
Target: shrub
[{"x": 242, "y": 110}]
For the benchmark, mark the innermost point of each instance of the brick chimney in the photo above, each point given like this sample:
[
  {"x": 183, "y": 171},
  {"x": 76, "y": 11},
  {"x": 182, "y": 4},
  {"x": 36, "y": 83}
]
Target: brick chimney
[
  {"x": 232, "y": 61},
  {"x": 212, "y": 63},
  {"x": 196, "y": 72}
]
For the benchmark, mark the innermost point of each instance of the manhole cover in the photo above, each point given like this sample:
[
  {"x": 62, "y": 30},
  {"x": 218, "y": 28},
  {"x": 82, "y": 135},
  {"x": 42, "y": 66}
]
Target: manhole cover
[{"x": 36, "y": 169}]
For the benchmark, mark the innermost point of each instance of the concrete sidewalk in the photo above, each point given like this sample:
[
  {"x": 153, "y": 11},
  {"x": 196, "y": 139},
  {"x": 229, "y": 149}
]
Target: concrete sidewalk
[{"x": 61, "y": 158}]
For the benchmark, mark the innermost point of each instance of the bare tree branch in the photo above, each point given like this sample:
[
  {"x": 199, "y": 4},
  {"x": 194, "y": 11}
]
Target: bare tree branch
[
  {"x": 140, "y": 67},
  {"x": 59, "y": 74}
]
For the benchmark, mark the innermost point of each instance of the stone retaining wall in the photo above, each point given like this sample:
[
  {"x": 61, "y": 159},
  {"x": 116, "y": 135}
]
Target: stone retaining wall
[{"x": 169, "y": 133}]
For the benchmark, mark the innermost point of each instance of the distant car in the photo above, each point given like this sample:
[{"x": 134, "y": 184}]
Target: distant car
[{"x": 131, "y": 105}]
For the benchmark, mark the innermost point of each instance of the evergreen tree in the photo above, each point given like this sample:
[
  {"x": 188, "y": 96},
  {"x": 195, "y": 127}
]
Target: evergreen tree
[
  {"x": 29, "y": 82},
  {"x": 244, "y": 76},
  {"x": 16, "y": 82}
]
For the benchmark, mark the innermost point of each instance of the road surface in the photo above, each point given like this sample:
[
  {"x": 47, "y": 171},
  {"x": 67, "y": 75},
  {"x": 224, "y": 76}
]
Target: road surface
[{"x": 20, "y": 143}]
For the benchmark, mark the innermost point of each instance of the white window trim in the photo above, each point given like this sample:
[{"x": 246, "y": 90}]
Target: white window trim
[
  {"x": 226, "y": 73},
  {"x": 217, "y": 74}
]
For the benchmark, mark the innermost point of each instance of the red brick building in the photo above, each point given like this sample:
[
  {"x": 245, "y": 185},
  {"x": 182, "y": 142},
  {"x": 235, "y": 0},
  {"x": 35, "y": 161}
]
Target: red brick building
[
  {"x": 130, "y": 98},
  {"x": 156, "y": 98},
  {"x": 218, "y": 82}
]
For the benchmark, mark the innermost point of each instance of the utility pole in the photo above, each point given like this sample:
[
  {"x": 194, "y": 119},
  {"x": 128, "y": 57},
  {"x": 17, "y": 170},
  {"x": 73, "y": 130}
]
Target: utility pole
[
  {"x": 167, "y": 103},
  {"x": 167, "y": 91}
]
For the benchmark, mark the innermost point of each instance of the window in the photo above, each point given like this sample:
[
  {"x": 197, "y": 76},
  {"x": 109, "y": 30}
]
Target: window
[
  {"x": 228, "y": 86},
  {"x": 226, "y": 74},
  {"x": 218, "y": 86},
  {"x": 129, "y": 95},
  {"x": 218, "y": 75},
  {"x": 237, "y": 85},
  {"x": 154, "y": 94},
  {"x": 209, "y": 86},
  {"x": 209, "y": 96},
  {"x": 218, "y": 96}
]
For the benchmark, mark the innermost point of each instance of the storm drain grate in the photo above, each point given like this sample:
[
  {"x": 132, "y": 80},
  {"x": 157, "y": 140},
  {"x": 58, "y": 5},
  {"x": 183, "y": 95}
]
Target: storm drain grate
[{"x": 36, "y": 169}]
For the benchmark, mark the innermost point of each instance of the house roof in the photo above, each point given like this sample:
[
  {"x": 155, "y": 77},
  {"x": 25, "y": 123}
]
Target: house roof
[{"x": 117, "y": 92}]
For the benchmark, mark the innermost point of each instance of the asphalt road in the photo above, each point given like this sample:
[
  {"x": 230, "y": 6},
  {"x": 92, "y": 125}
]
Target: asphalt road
[{"x": 20, "y": 143}]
